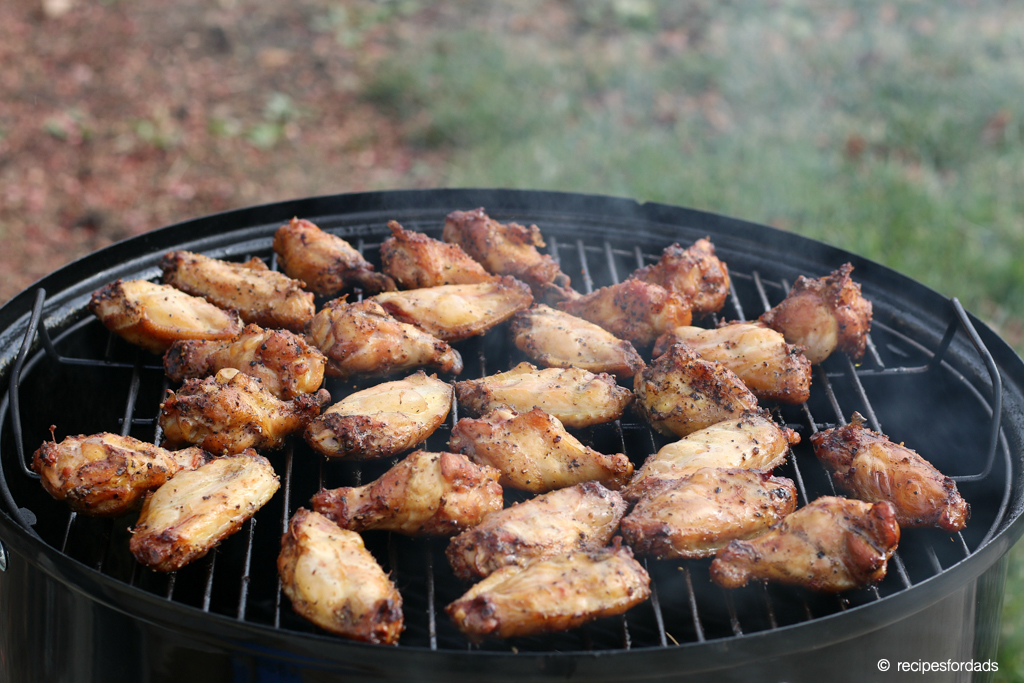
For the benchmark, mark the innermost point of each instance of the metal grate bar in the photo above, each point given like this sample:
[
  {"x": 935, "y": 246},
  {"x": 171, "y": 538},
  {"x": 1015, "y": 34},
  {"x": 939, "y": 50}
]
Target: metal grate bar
[
  {"x": 588, "y": 283},
  {"x": 243, "y": 593},
  {"x": 211, "y": 567},
  {"x": 611, "y": 262},
  {"x": 286, "y": 515}
]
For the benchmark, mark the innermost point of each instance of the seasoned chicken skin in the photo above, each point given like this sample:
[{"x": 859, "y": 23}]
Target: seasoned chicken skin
[
  {"x": 556, "y": 339},
  {"x": 325, "y": 263},
  {"x": 576, "y": 397},
  {"x": 362, "y": 339},
  {"x": 197, "y": 509},
  {"x": 696, "y": 515},
  {"x": 695, "y": 273},
  {"x": 333, "y": 581},
  {"x": 633, "y": 310},
  {"x": 581, "y": 517},
  {"x": 831, "y": 545},
  {"x": 286, "y": 364},
  {"x": 551, "y": 594},
  {"x": 106, "y": 475},
  {"x": 824, "y": 314},
  {"x": 772, "y": 369},
  {"x": 534, "y": 452},
  {"x": 383, "y": 420},
  {"x": 426, "y": 494},
  {"x": 680, "y": 392},
  {"x": 260, "y": 295},
  {"x": 231, "y": 411},
  {"x": 155, "y": 316},
  {"x": 455, "y": 312},
  {"x": 415, "y": 260},
  {"x": 870, "y": 467}
]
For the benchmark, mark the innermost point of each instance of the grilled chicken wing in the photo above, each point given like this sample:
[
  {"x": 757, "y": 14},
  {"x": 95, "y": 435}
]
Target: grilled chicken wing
[
  {"x": 426, "y": 494},
  {"x": 556, "y": 339},
  {"x": 680, "y": 392},
  {"x": 831, "y": 545},
  {"x": 286, "y": 364},
  {"x": 333, "y": 581},
  {"x": 581, "y": 517},
  {"x": 197, "y": 509},
  {"x": 824, "y": 314},
  {"x": 383, "y": 420},
  {"x": 534, "y": 453},
  {"x": 633, "y": 310},
  {"x": 551, "y": 594},
  {"x": 415, "y": 260},
  {"x": 155, "y": 316},
  {"x": 106, "y": 475},
  {"x": 456, "y": 312},
  {"x": 695, "y": 273},
  {"x": 325, "y": 263},
  {"x": 260, "y": 295},
  {"x": 772, "y": 369},
  {"x": 696, "y": 515},
  {"x": 576, "y": 397},
  {"x": 362, "y": 339},
  {"x": 231, "y": 411},
  {"x": 870, "y": 467}
]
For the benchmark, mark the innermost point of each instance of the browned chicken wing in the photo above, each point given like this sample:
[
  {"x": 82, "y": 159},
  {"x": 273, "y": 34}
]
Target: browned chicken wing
[
  {"x": 231, "y": 411},
  {"x": 415, "y": 260},
  {"x": 551, "y": 594},
  {"x": 383, "y": 420},
  {"x": 581, "y": 517},
  {"x": 831, "y": 545},
  {"x": 576, "y": 397},
  {"x": 106, "y": 475},
  {"x": 633, "y": 310},
  {"x": 824, "y": 314},
  {"x": 772, "y": 369},
  {"x": 871, "y": 468},
  {"x": 362, "y": 339},
  {"x": 426, "y": 494},
  {"x": 155, "y": 316},
  {"x": 695, "y": 273},
  {"x": 325, "y": 263},
  {"x": 556, "y": 339},
  {"x": 197, "y": 509},
  {"x": 333, "y": 581},
  {"x": 286, "y": 364},
  {"x": 534, "y": 452},
  {"x": 696, "y": 515}
]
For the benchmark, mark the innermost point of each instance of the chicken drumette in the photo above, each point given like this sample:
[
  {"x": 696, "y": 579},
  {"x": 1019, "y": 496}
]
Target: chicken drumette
[
  {"x": 695, "y": 273},
  {"x": 415, "y": 260},
  {"x": 633, "y": 310}
]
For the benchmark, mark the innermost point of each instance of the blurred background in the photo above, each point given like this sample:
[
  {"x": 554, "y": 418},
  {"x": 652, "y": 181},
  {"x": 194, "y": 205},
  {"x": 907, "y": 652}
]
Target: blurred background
[{"x": 891, "y": 129}]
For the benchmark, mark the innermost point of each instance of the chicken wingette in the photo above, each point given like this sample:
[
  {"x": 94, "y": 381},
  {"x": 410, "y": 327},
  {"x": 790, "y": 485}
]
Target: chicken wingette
[
  {"x": 634, "y": 310},
  {"x": 415, "y": 260},
  {"x": 695, "y": 273}
]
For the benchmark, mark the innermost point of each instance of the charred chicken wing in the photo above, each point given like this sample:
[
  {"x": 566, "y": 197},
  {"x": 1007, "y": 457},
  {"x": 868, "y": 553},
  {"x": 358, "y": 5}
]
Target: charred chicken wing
[
  {"x": 695, "y": 273},
  {"x": 633, "y": 310},
  {"x": 415, "y": 260}
]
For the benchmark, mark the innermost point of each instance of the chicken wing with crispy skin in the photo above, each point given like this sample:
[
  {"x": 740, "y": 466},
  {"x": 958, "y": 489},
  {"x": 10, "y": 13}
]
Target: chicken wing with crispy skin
[
  {"x": 426, "y": 494},
  {"x": 456, "y": 312},
  {"x": 680, "y": 392},
  {"x": 552, "y": 594},
  {"x": 383, "y": 420},
  {"x": 824, "y": 314},
  {"x": 578, "y": 398},
  {"x": 633, "y": 310},
  {"x": 831, "y": 545},
  {"x": 231, "y": 411},
  {"x": 415, "y": 260},
  {"x": 197, "y": 509},
  {"x": 556, "y": 339},
  {"x": 333, "y": 581},
  {"x": 870, "y": 467},
  {"x": 325, "y": 263},
  {"x": 106, "y": 475},
  {"x": 695, "y": 273},
  {"x": 534, "y": 452},
  {"x": 760, "y": 356},
  {"x": 362, "y": 339},
  {"x": 696, "y": 515},
  {"x": 581, "y": 517},
  {"x": 286, "y": 364},
  {"x": 155, "y": 316}
]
